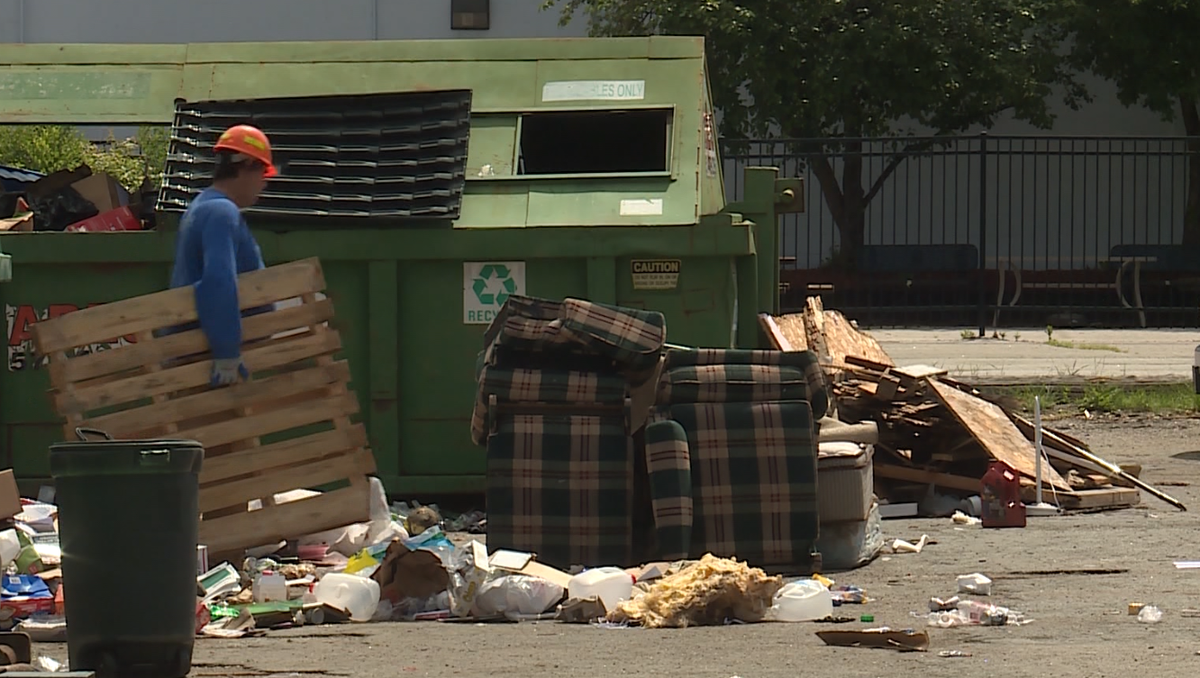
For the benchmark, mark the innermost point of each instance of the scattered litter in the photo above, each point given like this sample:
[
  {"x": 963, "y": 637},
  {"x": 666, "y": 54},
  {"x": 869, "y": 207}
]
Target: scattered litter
[
  {"x": 800, "y": 601},
  {"x": 975, "y": 613},
  {"x": 907, "y": 640},
  {"x": 901, "y": 546},
  {"x": 977, "y": 584},
  {"x": 953, "y": 653},
  {"x": 940, "y": 605},
  {"x": 1135, "y": 608},
  {"x": 1150, "y": 615},
  {"x": 848, "y": 595},
  {"x": 703, "y": 594},
  {"x": 1187, "y": 565},
  {"x": 961, "y": 518}
]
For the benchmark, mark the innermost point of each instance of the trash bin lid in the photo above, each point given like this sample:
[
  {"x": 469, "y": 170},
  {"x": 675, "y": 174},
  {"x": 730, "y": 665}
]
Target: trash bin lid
[{"x": 125, "y": 457}]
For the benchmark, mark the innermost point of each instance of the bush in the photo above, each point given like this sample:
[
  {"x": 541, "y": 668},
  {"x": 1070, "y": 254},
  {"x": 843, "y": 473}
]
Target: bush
[{"x": 49, "y": 148}]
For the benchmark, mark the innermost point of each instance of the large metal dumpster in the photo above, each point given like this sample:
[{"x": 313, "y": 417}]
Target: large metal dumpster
[{"x": 592, "y": 171}]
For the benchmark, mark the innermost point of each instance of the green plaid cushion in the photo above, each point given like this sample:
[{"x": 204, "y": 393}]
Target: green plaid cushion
[
  {"x": 540, "y": 386},
  {"x": 754, "y": 479},
  {"x": 731, "y": 383},
  {"x": 631, "y": 338},
  {"x": 669, "y": 468},
  {"x": 804, "y": 361},
  {"x": 560, "y": 486}
]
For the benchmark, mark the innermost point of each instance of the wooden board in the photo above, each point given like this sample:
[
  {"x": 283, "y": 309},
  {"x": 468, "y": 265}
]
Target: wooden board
[
  {"x": 843, "y": 339},
  {"x": 989, "y": 424},
  {"x": 297, "y": 399},
  {"x": 918, "y": 372},
  {"x": 791, "y": 329},
  {"x": 775, "y": 335}
]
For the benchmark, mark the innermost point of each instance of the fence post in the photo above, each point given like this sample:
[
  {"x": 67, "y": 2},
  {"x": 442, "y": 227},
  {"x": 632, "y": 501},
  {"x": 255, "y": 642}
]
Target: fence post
[{"x": 983, "y": 188}]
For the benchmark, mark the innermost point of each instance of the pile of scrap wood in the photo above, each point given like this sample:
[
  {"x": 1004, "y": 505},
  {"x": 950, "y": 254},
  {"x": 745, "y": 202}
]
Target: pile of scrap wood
[{"x": 935, "y": 432}]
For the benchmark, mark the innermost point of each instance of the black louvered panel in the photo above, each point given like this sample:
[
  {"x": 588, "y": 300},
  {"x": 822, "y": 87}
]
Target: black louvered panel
[{"x": 381, "y": 155}]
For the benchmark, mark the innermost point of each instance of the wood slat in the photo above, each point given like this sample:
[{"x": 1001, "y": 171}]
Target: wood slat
[
  {"x": 326, "y": 511},
  {"x": 288, "y": 452},
  {"x": 274, "y": 421},
  {"x": 171, "y": 307},
  {"x": 192, "y": 342},
  {"x": 314, "y": 474},
  {"x": 128, "y": 423},
  {"x": 271, "y": 356}
]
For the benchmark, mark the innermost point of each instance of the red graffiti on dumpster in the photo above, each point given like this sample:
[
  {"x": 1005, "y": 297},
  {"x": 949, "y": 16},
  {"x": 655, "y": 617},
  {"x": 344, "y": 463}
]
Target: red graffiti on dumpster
[{"x": 21, "y": 352}]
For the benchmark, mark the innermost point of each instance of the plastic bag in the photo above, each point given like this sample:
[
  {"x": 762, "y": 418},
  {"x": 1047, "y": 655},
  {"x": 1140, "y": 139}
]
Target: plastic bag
[
  {"x": 467, "y": 577},
  {"x": 434, "y": 541},
  {"x": 517, "y": 595}
]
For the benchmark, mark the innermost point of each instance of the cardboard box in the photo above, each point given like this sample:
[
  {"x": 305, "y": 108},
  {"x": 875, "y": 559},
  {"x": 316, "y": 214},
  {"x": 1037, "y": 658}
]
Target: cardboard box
[
  {"x": 101, "y": 190},
  {"x": 120, "y": 219},
  {"x": 10, "y": 496}
]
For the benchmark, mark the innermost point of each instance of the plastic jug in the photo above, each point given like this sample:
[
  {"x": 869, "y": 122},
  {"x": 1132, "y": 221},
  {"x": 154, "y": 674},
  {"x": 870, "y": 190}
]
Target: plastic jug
[
  {"x": 357, "y": 595},
  {"x": 270, "y": 587},
  {"x": 800, "y": 601},
  {"x": 10, "y": 547},
  {"x": 1001, "y": 497},
  {"x": 610, "y": 584}
]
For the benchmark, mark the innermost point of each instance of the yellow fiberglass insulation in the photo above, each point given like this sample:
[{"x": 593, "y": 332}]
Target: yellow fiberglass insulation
[{"x": 706, "y": 593}]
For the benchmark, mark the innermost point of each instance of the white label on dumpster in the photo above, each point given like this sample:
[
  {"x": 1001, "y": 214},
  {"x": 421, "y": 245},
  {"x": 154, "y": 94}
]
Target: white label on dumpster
[
  {"x": 594, "y": 90},
  {"x": 487, "y": 285},
  {"x": 650, "y": 207}
]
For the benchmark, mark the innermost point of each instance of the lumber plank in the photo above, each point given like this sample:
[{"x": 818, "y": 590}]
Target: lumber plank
[
  {"x": 775, "y": 336},
  {"x": 1109, "y": 497},
  {"x": 785, "y": 331},
  {"x": 285, "y": 453},
  {"x": 990, "y": 425},
  {"x": 313, "y": 474},
  {"x": 274, "y": 421},
  {"x": 268, "y": 356},
  {"x": 918, "y": 372},
  {"x": 192, "y": 342},
  {"x": 126, "y": 423},
  {"x": 326, "y": 511},
  {"x": 920, "y": 475},
  {"x": 171, "y": 307}
]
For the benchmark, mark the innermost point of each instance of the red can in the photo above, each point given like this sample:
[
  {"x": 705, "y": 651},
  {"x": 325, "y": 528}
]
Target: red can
[{"x": 1001, "y": 497}]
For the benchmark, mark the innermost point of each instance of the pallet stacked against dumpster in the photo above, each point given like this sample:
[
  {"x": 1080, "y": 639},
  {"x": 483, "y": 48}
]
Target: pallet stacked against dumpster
[
  {"x": 937, "y": 435},
  {"x": 288, "y": 427}
]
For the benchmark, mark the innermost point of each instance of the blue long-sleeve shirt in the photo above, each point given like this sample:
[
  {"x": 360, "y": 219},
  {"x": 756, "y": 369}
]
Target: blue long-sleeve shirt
[{"x": 214, "y": 246}]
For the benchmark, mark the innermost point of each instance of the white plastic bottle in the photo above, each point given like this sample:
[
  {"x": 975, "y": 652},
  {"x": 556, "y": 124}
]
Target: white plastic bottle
[
  {"x": 357, "y": 595},
  {"x": 10, "y": 547},
  {"x": 270, "y": 587},
  {"x": 610, "y": 584},
  {"x": 800, "y": 601}
]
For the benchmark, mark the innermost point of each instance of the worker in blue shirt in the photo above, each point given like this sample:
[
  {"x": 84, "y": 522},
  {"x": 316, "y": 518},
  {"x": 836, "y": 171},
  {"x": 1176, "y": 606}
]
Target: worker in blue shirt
[{"x": 215, "y": 245}]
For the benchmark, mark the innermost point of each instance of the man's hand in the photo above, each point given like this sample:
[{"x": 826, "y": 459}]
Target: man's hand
[{"x": 226, "y": 371}]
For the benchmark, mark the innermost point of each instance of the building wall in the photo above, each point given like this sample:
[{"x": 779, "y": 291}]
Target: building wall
[{"x": 180, "y": 21}]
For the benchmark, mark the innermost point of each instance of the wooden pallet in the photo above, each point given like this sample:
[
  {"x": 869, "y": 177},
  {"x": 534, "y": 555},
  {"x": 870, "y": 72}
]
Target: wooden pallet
[{"x": 286, "y": 428}]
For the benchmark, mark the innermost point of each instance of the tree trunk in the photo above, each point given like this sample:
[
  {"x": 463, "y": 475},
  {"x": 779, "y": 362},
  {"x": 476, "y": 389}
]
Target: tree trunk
[
  {"x": 1191, "y": 217},
  {"x": 846, "y": 200}
]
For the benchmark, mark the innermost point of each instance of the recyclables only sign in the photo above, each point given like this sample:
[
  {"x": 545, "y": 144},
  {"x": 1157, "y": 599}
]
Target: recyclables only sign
[{"x": 487, "y": 285}]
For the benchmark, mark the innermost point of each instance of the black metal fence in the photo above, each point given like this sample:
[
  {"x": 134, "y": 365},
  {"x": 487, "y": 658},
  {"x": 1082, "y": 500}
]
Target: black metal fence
[{"x": 990, "y": 231}]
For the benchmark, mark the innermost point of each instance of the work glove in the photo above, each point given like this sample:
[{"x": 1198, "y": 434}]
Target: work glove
[{"x": 225, "y": 371}]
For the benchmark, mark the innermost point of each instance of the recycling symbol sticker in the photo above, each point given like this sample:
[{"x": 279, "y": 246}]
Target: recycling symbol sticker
[{"x": 487, "y": 285}]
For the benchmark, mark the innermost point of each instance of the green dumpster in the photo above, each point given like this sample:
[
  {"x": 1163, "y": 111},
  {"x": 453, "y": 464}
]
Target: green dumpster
[{"x": 592, "y": 171}]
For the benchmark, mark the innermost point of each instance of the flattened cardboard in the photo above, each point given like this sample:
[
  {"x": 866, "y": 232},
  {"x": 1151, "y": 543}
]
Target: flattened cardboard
[{"x": 10, "y": 496}]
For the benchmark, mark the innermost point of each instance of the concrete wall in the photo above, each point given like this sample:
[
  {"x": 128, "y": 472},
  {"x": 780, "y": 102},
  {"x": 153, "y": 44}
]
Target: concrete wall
[{"x": 178, "y": 21}]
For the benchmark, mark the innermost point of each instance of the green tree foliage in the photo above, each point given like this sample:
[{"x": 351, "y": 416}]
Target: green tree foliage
[
  {"x": 1150, "y": 51},
  {"x": 808, "y": 69},
  {"x": 49, "y": 148}
]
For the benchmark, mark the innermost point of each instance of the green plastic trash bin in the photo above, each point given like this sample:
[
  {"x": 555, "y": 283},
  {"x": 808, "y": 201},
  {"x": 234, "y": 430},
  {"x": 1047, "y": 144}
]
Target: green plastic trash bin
[{"x": 127, "y": 526}]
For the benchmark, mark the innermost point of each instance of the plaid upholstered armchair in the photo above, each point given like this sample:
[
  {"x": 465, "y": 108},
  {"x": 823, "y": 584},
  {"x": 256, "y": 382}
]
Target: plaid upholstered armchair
[
  {"x": 732, "y": 455},
  {"x": 554, "y": 410}
]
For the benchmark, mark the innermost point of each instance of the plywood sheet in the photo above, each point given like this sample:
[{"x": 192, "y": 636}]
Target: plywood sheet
[
  {"x": 1003, "y": 441},
  {"x": 791, "y": 327}
]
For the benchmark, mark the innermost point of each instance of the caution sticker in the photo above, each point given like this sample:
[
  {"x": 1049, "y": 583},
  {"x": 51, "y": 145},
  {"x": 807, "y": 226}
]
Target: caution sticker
[{"x": 655, "y": 274}]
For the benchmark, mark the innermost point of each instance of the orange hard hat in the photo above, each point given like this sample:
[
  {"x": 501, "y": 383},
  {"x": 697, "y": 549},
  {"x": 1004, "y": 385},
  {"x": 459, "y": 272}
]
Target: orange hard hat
[{"x": 248, "y": 141}]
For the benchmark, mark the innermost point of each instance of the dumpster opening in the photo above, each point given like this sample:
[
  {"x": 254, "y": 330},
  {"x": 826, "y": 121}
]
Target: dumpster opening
[{"x": 595, "y": 142}]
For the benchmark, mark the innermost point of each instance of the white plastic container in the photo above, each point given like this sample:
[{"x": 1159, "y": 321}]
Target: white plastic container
[
  {"x": 800, "y": 601},
  {"x": 270, "y": 587},
  {"x": 10, "y": 547},
  {"x": 357, "y": 595},
  {"x": 610, "y": 584}
]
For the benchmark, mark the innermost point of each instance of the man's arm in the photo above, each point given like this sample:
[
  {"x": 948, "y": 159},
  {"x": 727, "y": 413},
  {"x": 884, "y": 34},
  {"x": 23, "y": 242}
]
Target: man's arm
[{"x": 217, "y": 291}]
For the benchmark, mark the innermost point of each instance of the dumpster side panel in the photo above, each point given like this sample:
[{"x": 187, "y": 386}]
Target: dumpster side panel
[{"x": 40, "y": 291}]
